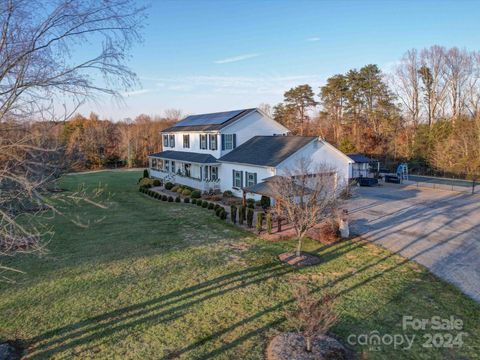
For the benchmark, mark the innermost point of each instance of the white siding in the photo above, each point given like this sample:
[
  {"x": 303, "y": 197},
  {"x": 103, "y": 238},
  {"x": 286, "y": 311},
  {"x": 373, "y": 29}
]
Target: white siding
[
  {"x": 254, "y": 124},
  {"x": 319, "y": 153},
  {"x": 226, "y": 181}
]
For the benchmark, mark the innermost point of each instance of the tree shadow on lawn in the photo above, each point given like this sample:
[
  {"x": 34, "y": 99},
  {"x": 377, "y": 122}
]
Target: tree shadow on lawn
[
  {"x": 169, "y": 307},
  {"x": 161, "y": 309}
]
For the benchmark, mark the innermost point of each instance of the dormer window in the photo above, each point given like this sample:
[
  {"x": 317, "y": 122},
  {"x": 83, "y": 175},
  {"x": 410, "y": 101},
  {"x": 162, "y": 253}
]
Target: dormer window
[
  {"x": 186, "y": 141},
  {"x": 165, "y": 140},
  {"x": 172, "y": 140}
]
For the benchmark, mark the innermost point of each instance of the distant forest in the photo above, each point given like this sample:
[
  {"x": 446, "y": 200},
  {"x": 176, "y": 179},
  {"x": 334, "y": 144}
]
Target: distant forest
[{"x": 425, "y": 112}]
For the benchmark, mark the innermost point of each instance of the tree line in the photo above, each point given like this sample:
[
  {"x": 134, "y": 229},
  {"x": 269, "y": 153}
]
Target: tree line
[{"x": 425, "y": 111}]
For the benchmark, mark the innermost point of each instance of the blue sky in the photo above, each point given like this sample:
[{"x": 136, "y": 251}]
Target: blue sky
[{"x": 206, "y": 56}]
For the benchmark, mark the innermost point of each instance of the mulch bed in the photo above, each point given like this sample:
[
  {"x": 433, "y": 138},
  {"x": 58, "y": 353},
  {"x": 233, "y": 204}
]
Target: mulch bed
[
  {"x": 291, "y": 346},
  {"x": 305, "y": 259},
  {"x": 11, "y": 350}
]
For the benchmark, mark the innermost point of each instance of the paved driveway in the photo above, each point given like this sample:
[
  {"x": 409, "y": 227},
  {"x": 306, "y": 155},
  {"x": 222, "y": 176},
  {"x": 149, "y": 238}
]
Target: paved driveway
[{"x": 438, "y": 229}]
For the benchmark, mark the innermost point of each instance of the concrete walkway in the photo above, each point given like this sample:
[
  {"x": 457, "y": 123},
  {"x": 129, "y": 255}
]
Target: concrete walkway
[{"x": 438, "y": 229}]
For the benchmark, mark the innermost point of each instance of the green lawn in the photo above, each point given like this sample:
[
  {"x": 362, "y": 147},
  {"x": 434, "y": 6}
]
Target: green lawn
[{"x": 149, "y": 280}]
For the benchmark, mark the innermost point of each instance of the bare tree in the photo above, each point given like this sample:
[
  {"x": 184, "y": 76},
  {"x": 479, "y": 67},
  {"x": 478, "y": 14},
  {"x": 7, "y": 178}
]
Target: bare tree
[
  {"x": 313, "y": 315},
  {"x": 406, "y": 82},
  {"x": 41, "y": 67},
  {"x": 305, "y": 196}
]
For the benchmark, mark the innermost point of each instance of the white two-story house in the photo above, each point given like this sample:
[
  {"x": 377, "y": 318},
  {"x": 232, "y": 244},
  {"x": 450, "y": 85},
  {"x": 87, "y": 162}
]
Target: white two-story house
[{"x": 236, "y": 150}]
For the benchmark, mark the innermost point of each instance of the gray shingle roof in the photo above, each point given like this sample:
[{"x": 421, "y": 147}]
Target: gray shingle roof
[
  {"x": 359, "y": 158},
  {"x": 186, "y": 156},
  {"x": 267, "y": 150},
  {"x": 207, "y": 122}
]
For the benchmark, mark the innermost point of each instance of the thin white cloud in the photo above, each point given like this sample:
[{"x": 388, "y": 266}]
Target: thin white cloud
[
  {"x": 312, "y": 39},
  {"x": 236, "y": 58},
  {"x": 136, "y": 92}
]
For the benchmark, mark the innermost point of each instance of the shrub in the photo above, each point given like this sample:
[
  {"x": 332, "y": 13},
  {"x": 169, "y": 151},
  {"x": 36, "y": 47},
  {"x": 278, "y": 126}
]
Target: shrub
[
  {"x": 314, "y": 314},
  {"x": 145, "y": 173},
  {"x": 164, "y": 198},
  {"x": 168, "y": 185},
  {"x": 180, "y": 190},
  {"x": 157, "y": 196},
  {"x": 259, "y": 222},
  {"x": 174, "y": 188},
  {"x": 194, "y": 201},
  {"x": 216, "y": 206},
  {"x": 251, "y": 205},
  {"x": 157, "y": 182},
  {"x": 170, "y": 199},
  {"x": 227, "y": 193},
  {"x": 250, "y": 201},
  {"x": 223, "y": 215},
  {"x": 186, "y": 200},
  {"x": 199, "y": 202},
  {"x": 177, "y": 199},
  {"x": 241, "y": 215},
  {"x": 138, "y": 182},
  {"x": 265, "y": 202},
  {"x": 250, "y": 218},
  {"x": 196, "y": 194},
  {"x": 146, "y": 182},
  {"x": 269, "y": 223},
  {"x": 233, "y": 213},
  {"x": 211, "y": 206},
  {"x": 218, "y": 211},
  {"x": 244, "y": 213},
  {"x": 204, "y": 204},
  {"x": 186, "y": 192}
]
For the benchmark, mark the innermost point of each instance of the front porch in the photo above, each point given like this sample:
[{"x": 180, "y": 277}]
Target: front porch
[{"x": 201, "y": 176}]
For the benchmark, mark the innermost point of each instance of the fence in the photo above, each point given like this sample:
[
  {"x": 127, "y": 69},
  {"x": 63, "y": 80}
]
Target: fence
[{"x": 444, "y": 183}]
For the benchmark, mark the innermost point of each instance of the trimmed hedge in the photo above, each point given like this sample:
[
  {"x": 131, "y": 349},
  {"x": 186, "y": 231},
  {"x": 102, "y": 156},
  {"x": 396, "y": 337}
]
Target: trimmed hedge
[
  {"x": 259, "y": 221},
  {"x": 170, "y": 199},
  {"x": 227, "y": 193},
  {"x": 169, "y": 185},
  {"x": 218, "y": 211},
  {"x": 157, "y": 182},
  {"x": 211, "y": 206},
  {"x": 241, "y": 215},
  {"x": 186, "y": 192},
  {"x": 196, "y": 194},
  {"x": 269, "y": 223},
  {"x": 205, "y": 204},
  {"x": 145, "y": 173},
  {"x": 186, "y": 200},
  {"x": 223, "y": 215},
  {"x": 250, "y": 218},
  {"x": 177, "y": 199},
  {"x": 174, "y": 188},
  {"x": 194, "y": 201},
  {"x": 233, "y": 213},
  {"x": 199, "y": 202}
]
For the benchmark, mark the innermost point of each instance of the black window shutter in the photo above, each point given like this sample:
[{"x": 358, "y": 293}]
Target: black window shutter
[
  {"x": 233, "y": 177},
  {"x": 241, "y": 181},
  {"x": 234, "y": 140},
  {"x": 255, "y": 178},
  {"x": 223, "y": 141}
]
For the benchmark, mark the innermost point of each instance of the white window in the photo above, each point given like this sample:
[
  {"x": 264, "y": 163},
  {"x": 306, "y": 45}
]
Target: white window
[
  {"x": 228, "y": 141},
  {"x": 237, "y": 178},
  {"x": 186, "y": 141},
  {"x": 203, "y": 141},
  {"x": 213, "y": 141},
  {"x": 165, "y": 140},
  {"x": 172, "y": 140},
  {"x": 159, "y": 164},
  {"x": 250, "y": 178},
  {"x": 167, "y": 165}
]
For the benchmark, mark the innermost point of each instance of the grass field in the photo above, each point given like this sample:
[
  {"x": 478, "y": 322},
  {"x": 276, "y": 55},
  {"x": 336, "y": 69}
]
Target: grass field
[{"x": 150, "y": 280}]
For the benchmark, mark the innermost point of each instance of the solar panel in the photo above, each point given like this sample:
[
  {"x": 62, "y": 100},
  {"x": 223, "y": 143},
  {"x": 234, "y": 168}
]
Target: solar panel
[{"x": 208, "y": 119}]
